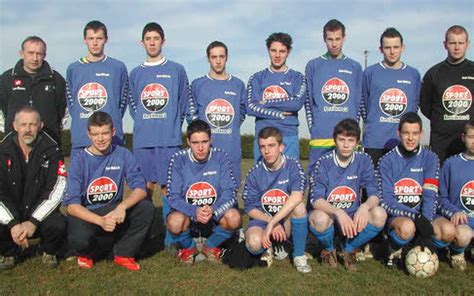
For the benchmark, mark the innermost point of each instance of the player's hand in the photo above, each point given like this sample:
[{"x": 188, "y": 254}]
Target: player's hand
[
  {"x": 29, "y": 227},
  {"x": 424, "y": 232},
  {"x": 286, "y": 113},
  {"x": 361, "y": 217},
  {"x": 118, "y": 214},
  {"x": 347, "y": 225},
  {"x": 108, "y": 223},
  {"x": 203, "y": 215},
  {"x": 18, "y": 234},
  {"x": 459, "y": 218},
  {"x": 278, "y": 233}
]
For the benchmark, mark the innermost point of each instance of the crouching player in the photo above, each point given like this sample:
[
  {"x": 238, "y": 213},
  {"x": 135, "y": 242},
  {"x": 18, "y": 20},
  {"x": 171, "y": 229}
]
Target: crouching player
[
  {"x": 273, "y": 199},
  {"x": 94, "y": 198},
  {"x": 456, "y": 200},
  {"x": 409, "y": 183},
  {"x": 335, "y": 195},
  {"x": 202, "y": 195}
]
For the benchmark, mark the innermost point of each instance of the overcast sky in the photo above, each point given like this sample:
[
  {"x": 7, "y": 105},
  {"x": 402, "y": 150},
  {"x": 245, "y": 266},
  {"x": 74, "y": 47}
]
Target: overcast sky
[{"x": 243, "y": 25}]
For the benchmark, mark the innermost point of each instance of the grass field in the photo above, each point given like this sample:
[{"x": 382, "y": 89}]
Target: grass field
[{"x": 161, "y": 274}]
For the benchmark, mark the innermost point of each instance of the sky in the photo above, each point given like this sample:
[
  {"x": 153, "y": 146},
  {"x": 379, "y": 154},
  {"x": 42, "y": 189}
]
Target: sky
[{"x": 243, "y": 25}]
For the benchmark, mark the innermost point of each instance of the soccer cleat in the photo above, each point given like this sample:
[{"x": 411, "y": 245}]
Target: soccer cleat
[
  {"x": 7, "y": 262},
  {"x": 127, "y": 262},
  {"x": 301, "y": 264},
  {"x": 85, "y": 262},
  {"x": 186, "y": 256},
  {"x": 458, "y": 262},
  {"x": 212, "y": 254},
  {"x": 328, "y": 258},
  {"x": 393, "y": 257},
  {"x": 268, "y": 256},
  {"x": 50, "y": 260},
  {"x": 279, "y": 251},
  {"x": 349, "y": 261}
]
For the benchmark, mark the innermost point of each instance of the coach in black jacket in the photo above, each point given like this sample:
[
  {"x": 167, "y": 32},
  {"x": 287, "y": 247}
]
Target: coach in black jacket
[
  {"x": 32, "y": 181},
  {"x": 32, "y": 82}
]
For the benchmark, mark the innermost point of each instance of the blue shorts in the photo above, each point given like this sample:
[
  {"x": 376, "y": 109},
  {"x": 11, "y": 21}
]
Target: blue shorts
[
  {"x": 292, "y": 148},
  {"x": 261, "y": 224},
  {"x": 154, "y": 162}
]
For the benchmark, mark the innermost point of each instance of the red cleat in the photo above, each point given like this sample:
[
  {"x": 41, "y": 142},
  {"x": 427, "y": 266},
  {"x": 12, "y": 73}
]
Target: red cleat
[
  {"x": 85, "y": 262},
  {"x": 127, "y": 262},
  {"x": 186, "y": 256},
  {"x": 212, "y": 254}
]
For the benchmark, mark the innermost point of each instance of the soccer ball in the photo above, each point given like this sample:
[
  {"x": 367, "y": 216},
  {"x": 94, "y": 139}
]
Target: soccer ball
[{"x": 421, "y": 264}]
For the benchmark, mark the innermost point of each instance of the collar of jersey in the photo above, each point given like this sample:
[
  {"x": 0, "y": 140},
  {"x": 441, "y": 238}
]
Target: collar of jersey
[
  {"x": 157, "y": 63},
  {"x": 84, "y": 60},
  {"x": 283, "y": 162},
  {"x": 284, "y": 72},
  {"x": 338, "y": 163},
  {"x": 327, "y": 56},
  {"x": 228, "y": 78},
  {"x": 191, "y": 156},
  {"x": 385, "y": 67}
]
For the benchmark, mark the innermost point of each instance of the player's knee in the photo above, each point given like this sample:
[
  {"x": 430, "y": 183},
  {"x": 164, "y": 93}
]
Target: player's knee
[
  {"x": 253, "y": 242},
  {"x": 231, "y": 220},
  {"x": 463, "y": 235},
  {"x": 79, "y": 243},
  {"x": 378, "y": 216},
  {"x": 406, "y": 230},
  {"x": 320, "y": 221},
  {"x": 176, "y": 223},
  {"x": 299, "y": 211},
  {"x": 446, "y": 231}
]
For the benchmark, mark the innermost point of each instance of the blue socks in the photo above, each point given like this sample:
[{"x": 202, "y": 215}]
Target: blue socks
[
  {"x": 299, "y": 232},
  {"x": 369, "y": 232},
  {"x": 218, "y": 237},
  {"x": 456, "y": 250},
  {"x": 259, "y": 252},
  {"x": 166, "y": 210},
  {"x": 438, "y": 243},
  {"x": 184, "y": 239},
  {"x": 326, "y": 238},
  {"x": 396, "y": 240}
]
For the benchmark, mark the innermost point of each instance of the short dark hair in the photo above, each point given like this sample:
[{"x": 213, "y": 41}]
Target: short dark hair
[
  {"x": 33, "y": 39},
  {"x": 390, "y": 32},
  {"x": 95, "y": 26},
  {"x": 347, "y": 127},
  {"x": 469, "y": 125},
  {"x": 332, "y": 26},
  {"x": 283, "y": 38},
  {"x": 271, "y": 131},
  {"x": 27, "y": 109},
  {"x": 153, "y": 27},
  {"x": 410, "y": 117},
  {"x": 198, "y": 126},
  {"x": 457, "y": 30},
  {"x": 100, "y": 118},
  {"x": 215, "y": 44}
]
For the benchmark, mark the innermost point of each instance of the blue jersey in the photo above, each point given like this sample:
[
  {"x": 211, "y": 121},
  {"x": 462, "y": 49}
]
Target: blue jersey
[
  {"x": 334, "y": 93},
  {"x": 160, "y": 99},
  {"x": 341, "y": 186},
  {"x": 456, "y": 188},
  {"x": 409, "y": 185},
  {"x": 221, "y": 103},
  {"x": 268, "y": 190},
  {"x": 270, "y": 93},
  {"x": 386, "y": 95},
  {"x": 95, "y": 181},
  {"x": 192, "y": 184},
  {"x": 94, "y": 86}
]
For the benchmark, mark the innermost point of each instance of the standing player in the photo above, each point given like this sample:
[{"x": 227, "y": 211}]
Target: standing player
[
  {"x": 389, "y": 89},
  {"x": 33, "y": 82},
  {"x": 94, "y": 198},
  {"x": 409, "y": 185},
  {"x": 220, "y": 101},
  {"x": 276, "y": 94},
  {"x": 273, "y": 199},
  {"x": 202, "y": 195},
  {"x": 446, "y": 95},
  {"x": 335, "y": 195},
  {"x": 334, "y": 91},
  {"x": 456, "y": 200},
  {"x": 96, "y": 82},
  {"x": 160, "y": 99}
]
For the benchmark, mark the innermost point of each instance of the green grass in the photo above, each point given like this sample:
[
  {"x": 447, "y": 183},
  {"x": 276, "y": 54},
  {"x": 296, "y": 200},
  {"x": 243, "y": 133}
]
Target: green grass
[{"x": 161, "y": 274}]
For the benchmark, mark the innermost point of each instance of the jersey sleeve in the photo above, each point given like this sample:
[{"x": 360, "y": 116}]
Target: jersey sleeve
[
  {"x": 368, "y": 178},
  {"x": 60, "y": 97},
  {"x": 358, "y": 89},
  {"x": 387, "y": 192},
  {"x": 308, "y": 102},
  {"x": 75, "y": 182},
  {"x": 318, "y": 183},
  {"x": 51, "y": 193},
  {"x": 446, "y": 208},
  {"x": 242, "y": 101},
  {"x": 186, "y": 99},
  {"x": 430, "y": 186},
  {"x": 426, "y": 95},
  {"x": 133, "y": 175},
  {"x": 228, "y": 188},
  {"x": 254, "y": 108},
  {"x": 125, "y": 91},
  {"x": 175, "y": 193},
  {"x": 365, "y": 95},
  {"x": 251, "y": 194},
  {"x": 293, "y": 103},
  {"x": 132, "y": 100},
  {"x": 297, "y": 178},
  {"x": 9, "y": 214},
  {"x": 417, "y": 90}
]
